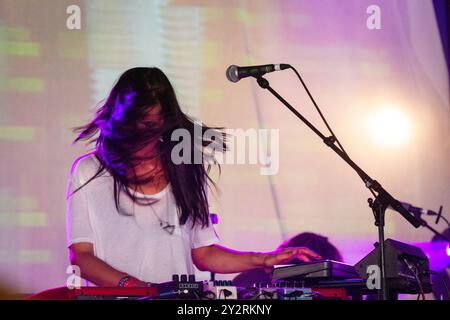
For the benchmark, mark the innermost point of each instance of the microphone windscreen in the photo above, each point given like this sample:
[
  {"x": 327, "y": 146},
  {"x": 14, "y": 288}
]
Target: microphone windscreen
[{"x": 232, "y": 73}]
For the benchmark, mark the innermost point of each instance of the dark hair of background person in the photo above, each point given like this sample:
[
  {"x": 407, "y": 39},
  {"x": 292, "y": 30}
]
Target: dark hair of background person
[{"x": 315, "y": 242}]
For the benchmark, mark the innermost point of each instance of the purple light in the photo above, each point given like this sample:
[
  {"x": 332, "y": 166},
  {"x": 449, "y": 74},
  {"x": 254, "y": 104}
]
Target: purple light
[{"x": 447, "y": 250}]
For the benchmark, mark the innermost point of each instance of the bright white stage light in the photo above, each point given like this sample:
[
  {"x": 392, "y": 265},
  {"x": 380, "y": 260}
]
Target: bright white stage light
[{"x": 389, "y": 127}]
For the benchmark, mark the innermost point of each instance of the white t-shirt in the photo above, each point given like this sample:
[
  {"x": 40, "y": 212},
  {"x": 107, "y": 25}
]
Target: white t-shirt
[{"x": 135, "y": 242}]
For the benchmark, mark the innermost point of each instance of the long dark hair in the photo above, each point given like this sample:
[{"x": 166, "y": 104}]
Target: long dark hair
[{"x": 124, "y": 129}]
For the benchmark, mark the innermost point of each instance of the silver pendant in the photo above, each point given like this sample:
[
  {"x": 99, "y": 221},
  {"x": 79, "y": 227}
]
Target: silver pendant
[{"x": 169, "y": 228}]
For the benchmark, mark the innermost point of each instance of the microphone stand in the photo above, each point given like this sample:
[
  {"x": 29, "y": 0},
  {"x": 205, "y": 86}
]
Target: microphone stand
[{"x": 378, "y": 205}]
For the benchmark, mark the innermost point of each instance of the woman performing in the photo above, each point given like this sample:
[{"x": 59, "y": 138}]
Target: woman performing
[{"x": 134, "y": 215}]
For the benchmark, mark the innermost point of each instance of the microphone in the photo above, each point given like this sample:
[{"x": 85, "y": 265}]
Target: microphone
[
  {"x": 416, "y": 211},
  {"x": 236, "y": 73},
  {"x": 439, "y": 214}
]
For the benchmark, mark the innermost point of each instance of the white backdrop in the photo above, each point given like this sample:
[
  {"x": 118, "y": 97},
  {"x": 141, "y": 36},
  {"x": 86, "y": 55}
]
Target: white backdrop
[{"x": 52, "y": 77}]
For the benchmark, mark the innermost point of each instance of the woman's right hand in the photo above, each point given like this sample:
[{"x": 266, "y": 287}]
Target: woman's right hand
[{"x": 94, "y": 269}]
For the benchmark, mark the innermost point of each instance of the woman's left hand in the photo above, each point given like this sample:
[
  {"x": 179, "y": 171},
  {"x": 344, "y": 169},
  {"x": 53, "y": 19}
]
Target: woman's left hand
[{"x": 285, "y": 255}]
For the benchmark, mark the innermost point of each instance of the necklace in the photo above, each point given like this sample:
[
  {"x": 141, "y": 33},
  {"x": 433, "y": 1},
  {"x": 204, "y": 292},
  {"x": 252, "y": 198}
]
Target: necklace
[{"x": 165, "y": 225}]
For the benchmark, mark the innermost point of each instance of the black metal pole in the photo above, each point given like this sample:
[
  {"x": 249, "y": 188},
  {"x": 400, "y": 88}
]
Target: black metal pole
[
  {"x": 379, "y": 212},
  {"x": 382, "y": 256}
]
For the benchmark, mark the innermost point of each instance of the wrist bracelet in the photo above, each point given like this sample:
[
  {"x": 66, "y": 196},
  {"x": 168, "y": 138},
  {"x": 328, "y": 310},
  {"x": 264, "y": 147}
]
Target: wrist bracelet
[{"x": 124, "y": 281}]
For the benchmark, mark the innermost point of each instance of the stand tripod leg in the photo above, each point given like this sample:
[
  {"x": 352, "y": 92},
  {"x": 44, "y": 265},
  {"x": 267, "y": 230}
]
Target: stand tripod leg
[
  {"x": 379, "y": 213},
  {"x": 384, "y": 293}
]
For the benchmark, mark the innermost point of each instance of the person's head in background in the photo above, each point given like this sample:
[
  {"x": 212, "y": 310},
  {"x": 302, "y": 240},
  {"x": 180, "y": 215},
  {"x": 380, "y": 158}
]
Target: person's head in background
[
  {"x": 316, "y": 243},
  {"x": 319, "y": 244}
]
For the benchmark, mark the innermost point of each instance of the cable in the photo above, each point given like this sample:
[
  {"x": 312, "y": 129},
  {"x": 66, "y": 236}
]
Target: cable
[
  {"x": 212, "y": 295},
  {"x": 292, "y": 294},
  {"x": 432, "y": 213},
  {"x": 445, "y": 219},
  {"x": 415, "y": 271},
  {"x": 419, "y": 284},
  {"x": 328, "y": 126},
  {"x": 267, "y": 294},
  {"x": 319, "y": 111},
  {"x": 197, "y": 295}
]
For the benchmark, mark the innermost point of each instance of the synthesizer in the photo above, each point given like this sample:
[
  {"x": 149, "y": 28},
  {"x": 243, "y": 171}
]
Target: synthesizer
[{"x": 324, "y": 269}]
